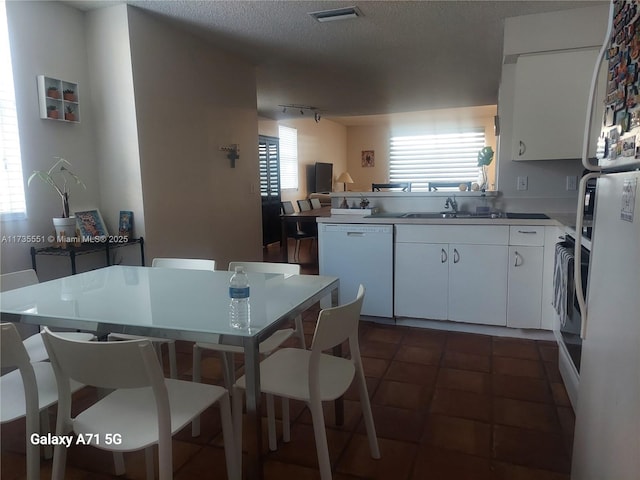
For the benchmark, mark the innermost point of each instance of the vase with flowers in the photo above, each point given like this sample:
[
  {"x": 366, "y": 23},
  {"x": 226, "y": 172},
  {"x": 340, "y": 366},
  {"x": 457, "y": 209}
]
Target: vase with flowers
[{"x": 60, "y": 178}]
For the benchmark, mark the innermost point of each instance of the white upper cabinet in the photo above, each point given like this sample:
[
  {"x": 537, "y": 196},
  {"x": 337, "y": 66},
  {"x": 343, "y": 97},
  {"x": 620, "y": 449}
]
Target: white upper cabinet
[{"x": 550, "y": 104}]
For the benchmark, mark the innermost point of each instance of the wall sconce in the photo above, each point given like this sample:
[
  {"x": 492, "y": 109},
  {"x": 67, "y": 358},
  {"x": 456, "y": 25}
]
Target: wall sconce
[{"x": 233, "y": 153}]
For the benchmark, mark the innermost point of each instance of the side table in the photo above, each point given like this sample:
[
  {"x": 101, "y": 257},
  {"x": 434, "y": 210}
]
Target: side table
[{"x": 85, "y": 249}]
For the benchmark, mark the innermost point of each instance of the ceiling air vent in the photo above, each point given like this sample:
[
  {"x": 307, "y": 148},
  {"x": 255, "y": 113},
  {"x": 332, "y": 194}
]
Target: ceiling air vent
[{"x": 336, "y": 14}]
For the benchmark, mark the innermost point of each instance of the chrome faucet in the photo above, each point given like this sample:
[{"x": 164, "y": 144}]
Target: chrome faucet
[{"x": 451, "y": 203}]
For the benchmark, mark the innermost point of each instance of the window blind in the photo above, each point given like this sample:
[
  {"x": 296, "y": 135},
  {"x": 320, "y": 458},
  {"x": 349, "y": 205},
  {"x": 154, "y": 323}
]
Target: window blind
[
  {"x": 288, "y": 157},
  {"x": 12, "y": 203},
  {"x": 436, "y": 158}
]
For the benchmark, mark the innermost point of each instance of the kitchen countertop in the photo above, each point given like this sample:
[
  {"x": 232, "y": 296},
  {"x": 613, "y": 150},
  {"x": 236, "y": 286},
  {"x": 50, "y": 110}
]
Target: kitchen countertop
[{"x": 555, "y": 219}]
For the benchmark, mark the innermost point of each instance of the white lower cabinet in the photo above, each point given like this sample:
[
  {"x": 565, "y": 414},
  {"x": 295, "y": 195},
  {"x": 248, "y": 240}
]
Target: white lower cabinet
[
  {"x": 421, "y": 280},
  {"x": 524, "y": 299},
  {"x": 478, "y": 284},
  {"x": 438, "y": 277}
]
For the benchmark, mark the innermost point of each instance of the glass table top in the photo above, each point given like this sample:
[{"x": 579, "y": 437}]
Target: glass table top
[{"x": 173, "y": 303}]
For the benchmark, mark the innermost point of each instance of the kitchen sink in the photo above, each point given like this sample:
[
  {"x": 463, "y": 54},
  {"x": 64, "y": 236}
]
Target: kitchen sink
[{"x": 446, "y": 215}]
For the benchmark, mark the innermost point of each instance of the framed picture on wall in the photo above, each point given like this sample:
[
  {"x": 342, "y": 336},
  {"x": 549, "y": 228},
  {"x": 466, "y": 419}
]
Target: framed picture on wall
[
  {"x": 90, "y": 224},
  {"x": 368, "y": 158}
]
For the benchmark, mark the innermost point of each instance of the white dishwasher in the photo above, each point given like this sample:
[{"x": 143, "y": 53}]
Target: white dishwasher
[{"x": 359, "y": 253}]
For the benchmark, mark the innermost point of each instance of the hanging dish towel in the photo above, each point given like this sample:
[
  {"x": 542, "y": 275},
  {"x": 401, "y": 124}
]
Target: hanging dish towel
[{"x": 563, "y": 262}]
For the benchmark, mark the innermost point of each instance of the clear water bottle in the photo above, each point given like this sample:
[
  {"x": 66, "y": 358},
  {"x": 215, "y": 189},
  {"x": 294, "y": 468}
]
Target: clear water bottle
[{"x": 239, "y": 309}]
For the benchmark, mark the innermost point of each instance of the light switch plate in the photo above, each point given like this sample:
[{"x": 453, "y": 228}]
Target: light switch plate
[{"x": 523, "y": 183}]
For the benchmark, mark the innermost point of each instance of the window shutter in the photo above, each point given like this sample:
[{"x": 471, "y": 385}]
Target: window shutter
[
  {"x": 437, "y": 158},
  {"x": 288, "y": 157},
  {"x": 12, "y": 203}
]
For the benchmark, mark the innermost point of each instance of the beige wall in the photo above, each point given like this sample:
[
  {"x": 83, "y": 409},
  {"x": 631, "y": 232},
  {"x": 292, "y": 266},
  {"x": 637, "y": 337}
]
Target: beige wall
[
  {"x": 112, "y": 96},
  {"x": 373, "y": 133},
  {"x": 49, "y": 38},
  {"x": 325, "y": 141},
  {"x": 191, "y": 99},
  {"x": 172, "y": 101}
]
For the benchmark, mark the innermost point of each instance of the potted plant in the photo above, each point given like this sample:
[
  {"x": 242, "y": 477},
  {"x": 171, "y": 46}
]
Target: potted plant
[
  {"x": 59, "y": 177},
  {"x": 52, "y": 92},
  {"x": 69, "y": 95},
  {"x": 69, "y": 114},
  {"x": 485, "y": 156},
  {"x": 52, "y": 111}
]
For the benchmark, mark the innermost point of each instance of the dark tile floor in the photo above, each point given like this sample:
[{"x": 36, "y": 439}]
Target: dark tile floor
[{"x": 446, "y": 405}]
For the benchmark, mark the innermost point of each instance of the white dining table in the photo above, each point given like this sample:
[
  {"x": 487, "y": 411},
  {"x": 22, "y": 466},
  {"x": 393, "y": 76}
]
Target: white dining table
[{"x": 179, "y": 304}]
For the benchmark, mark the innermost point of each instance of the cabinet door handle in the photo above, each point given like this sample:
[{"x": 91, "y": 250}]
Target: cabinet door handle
[
  {"x": 522, "y": 149},
  {"x": 528, "y": 232},
  {"x": 456, "y": 255},
  {"x": 518, "y": 261},
  {"x": 443, "y": 256}
]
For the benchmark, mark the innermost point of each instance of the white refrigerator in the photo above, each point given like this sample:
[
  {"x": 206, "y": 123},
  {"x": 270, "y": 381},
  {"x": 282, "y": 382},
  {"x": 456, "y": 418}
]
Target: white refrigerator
[{"x": 607, "y": 434}]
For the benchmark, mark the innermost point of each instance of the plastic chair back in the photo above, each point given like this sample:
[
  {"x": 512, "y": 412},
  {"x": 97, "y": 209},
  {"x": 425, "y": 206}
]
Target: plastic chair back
[
  {"x": 186, "y": 263},
  {"x": 14, "y": 354},
  {"x": 304, "y": 205},
  {"x": 287, "y": 207},
  {"x": 267, "y": 267},
  {"x": 127, "y": 364},
  {"x": 23, "y": 278},
  {"x": 337, "y": 324}
]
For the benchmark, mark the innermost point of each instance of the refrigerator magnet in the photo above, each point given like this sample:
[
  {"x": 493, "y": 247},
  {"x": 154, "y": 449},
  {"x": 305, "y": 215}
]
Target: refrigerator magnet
[
  {"x": 622, "y": 119},
  {"x": 609, "y": 116},
  {"x": 629, "y": 146},
  {"x": 629, "y": 188}
]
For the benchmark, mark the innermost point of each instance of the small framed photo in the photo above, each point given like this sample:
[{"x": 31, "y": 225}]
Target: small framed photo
[
  {"x": 90, "y": 224},
  {"x": 125, "y": 224},
  {"x": 368, "y": 158}
]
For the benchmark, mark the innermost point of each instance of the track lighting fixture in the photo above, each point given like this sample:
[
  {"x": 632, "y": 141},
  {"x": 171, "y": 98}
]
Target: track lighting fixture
[{"x": 302, "y": 109}]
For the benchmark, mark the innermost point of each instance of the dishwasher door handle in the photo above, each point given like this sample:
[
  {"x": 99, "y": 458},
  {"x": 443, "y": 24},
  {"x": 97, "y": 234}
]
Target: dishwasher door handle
[{"x": 355, "y": 234}]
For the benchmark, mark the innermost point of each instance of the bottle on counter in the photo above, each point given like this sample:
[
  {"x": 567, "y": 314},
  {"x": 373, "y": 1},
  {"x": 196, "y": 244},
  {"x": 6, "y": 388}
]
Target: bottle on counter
[{"x": 239, "y": 308}]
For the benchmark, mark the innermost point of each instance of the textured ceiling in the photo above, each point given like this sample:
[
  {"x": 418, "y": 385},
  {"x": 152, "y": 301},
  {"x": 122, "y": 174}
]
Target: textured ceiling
[{"x": 399, "y": 56}]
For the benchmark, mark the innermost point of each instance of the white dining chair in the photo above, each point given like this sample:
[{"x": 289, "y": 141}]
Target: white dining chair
[
  {"x": 144, "y": 409},
  {"x": 33, "y": 341},
  {"x": 266, "y": 347},
  {"x": 313, "y": 377},
  {"x": 26, "y": 392},
  {"x": 186, "y": 263}
]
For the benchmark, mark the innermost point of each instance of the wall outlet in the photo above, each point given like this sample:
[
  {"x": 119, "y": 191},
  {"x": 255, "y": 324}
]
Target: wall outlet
[
  {"x": 572, "y": 182},
  {"x": 522, "y": 183}
]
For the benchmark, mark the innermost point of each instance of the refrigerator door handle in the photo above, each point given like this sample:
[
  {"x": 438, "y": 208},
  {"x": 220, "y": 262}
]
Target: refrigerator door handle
[{"x": 577, "y": 254}]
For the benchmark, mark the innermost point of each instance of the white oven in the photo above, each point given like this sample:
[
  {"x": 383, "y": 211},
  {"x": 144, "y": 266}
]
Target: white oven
[{"x": 570, "y": 325}]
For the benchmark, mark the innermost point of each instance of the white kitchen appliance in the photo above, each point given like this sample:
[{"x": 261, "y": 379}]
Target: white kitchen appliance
[
  {"x": 607, "y": 434},
  {"x": 359, "y": 253}
]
